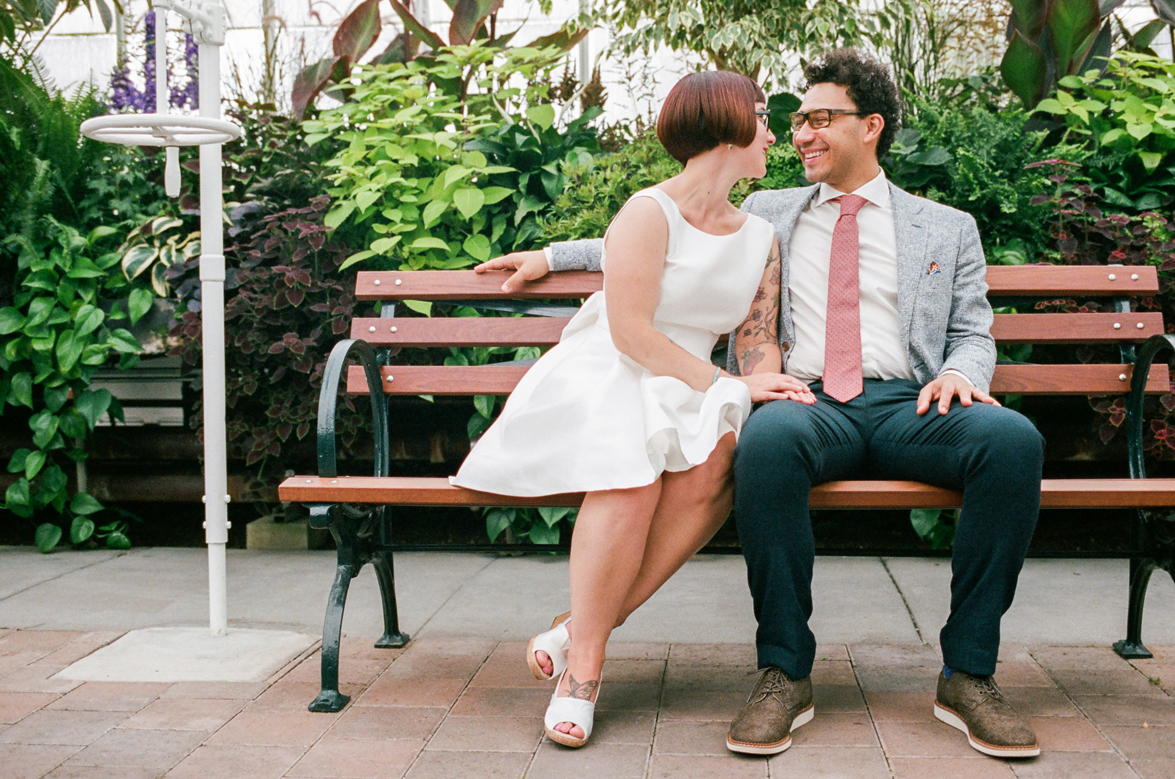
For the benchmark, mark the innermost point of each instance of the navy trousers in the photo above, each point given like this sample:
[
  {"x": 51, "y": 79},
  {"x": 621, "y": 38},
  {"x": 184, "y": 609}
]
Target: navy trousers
[{"x": 993, "y": 454}]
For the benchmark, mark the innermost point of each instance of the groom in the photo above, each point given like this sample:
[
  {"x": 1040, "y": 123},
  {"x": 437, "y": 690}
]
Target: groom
[{"x": 884, "y": 312}]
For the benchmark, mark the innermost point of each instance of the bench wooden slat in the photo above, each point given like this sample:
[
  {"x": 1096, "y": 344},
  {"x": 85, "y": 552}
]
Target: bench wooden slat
[
  {"x": 545, "y": 331},
  {"x": 1055, "y": 493},
  {"x": 1076, "y": 328},
  {"x": 1074, "y": 380},
  {"x": 1008, "y": 379},
  {"x": 460, "y": 331},
  {"x": 1005, "y": 281},
  {"x": 1066, "y": 280},
  {"x": 467, "y": 285}
]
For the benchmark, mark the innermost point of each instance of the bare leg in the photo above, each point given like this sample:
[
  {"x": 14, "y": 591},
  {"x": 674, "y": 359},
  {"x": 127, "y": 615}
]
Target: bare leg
[
  {"x": 693, "y": 506},
  {"x": 607, "y": 548}
]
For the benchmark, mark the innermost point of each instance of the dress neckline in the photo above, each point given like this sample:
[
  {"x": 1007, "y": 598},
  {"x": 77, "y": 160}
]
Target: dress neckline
[{"x": 698, "y": 229}]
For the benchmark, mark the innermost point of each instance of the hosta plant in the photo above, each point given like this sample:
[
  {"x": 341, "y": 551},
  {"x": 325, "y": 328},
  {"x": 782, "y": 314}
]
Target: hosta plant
[{"x": 153, "y": 247}]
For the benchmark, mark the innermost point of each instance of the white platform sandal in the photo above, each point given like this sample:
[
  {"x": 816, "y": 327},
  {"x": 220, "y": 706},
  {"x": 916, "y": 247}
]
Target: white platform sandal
[
  {"x": 574, "y": 710},
  {"x": 555, "y": 642}
]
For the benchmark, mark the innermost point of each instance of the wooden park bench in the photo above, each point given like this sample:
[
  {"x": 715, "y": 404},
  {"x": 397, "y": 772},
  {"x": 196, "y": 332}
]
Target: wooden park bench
[{"x": 353, "y": 507}]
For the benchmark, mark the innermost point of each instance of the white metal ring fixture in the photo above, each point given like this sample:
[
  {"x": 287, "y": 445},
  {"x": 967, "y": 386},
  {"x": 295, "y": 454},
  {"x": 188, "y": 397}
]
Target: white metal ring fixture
[{"x": 160, "y": 130}]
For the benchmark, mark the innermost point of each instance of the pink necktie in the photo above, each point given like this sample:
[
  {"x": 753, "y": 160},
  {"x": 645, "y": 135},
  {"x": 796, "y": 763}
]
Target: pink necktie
[{"x": 842, "y": 333}]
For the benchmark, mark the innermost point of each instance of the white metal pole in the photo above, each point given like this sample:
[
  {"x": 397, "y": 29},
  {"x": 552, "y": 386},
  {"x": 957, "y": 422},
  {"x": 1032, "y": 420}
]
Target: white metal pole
[
  {"x": 160, "y": 61},
  {"x": 584, "y": 50},
  {"x": 212, "y": 318},
  {"x": 171, "y": 171}
]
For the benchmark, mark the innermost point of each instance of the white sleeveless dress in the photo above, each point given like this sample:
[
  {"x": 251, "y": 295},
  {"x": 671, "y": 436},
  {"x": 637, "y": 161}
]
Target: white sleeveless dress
[{"x": 586, "y": 417}]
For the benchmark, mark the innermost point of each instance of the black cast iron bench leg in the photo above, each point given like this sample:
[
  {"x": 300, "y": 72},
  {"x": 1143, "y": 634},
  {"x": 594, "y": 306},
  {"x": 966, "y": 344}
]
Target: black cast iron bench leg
[
  {"x": 329, "y": 698},
  {"x": 392, "y": 637},
  {"x": 1132, "y": 648}
]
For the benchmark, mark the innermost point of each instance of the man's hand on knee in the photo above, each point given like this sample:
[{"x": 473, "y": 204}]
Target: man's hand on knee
[
  {"x": 945, "y": 388},
  {"x": 528, "y": 266}
]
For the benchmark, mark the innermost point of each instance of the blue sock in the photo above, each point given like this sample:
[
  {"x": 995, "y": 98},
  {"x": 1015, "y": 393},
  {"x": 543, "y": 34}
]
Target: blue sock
[{"x": 947, "y": 671}]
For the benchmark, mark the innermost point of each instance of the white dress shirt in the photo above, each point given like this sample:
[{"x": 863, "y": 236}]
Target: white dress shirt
[{"x": 882, "y": 353}]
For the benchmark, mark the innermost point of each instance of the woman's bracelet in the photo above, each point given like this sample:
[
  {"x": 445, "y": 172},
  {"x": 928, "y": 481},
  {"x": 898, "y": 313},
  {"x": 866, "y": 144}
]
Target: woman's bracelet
[{"x": 717, "y": 373}]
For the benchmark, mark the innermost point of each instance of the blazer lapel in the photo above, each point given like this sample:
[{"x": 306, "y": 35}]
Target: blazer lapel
[{"x": 911, "y": 237}]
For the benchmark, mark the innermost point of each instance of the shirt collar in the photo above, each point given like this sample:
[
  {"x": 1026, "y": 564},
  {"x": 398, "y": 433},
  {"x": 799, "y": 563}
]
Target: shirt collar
[{"x": 876, "y": 192}]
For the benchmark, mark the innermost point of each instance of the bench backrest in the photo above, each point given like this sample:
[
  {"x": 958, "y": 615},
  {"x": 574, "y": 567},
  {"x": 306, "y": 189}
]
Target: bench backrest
[{"x": 1007, "y": 285}]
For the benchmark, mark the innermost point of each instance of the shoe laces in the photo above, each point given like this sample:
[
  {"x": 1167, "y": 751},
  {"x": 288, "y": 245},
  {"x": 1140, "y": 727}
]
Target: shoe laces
[
  {"x": 987, "y": 688},
  {"x": 772, "y": 684}
]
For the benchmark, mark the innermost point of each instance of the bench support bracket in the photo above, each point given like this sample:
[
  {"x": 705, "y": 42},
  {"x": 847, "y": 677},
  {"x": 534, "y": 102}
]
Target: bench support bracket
[
  {"x": 361, "y": 535},
  {"x": 1152, "y": 540}
]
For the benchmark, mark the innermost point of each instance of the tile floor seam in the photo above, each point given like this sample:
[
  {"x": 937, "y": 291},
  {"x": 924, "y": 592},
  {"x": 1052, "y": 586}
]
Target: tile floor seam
[
  {"x": 657, "y": 713},
  {"x": 289, "y": 667},
  {"x": 453, "y": 705},
  {"x": 63, "y": 574},
  {"x": 906, "y": 603},
  {"x": 1113, "y": 746},
  {"x": 305, "y": 752},
  {"x": 868, "y": 710},
  {"x": 1149, "y": 678}
]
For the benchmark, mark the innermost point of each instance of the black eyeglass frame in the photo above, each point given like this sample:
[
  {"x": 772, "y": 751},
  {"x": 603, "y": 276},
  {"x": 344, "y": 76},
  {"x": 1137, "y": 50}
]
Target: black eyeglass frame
[
  {"x": 806, "y": 116},
  {"x": 764, "y": 116}
]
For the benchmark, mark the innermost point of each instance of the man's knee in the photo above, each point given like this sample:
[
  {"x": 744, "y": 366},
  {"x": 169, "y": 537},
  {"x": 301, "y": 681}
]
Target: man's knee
[
  {"x": 1009, "y": 436},
  {"x": 1007, "y": 441},
  {"x": 776, "y": 436}
]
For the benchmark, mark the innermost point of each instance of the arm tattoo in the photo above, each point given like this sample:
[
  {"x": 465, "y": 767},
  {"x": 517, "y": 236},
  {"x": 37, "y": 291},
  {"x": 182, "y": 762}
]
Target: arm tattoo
[
  {"x": 762, "y": 323},
  {"x": 582, "y": 691},
  {"x": 750, "y": 359}
]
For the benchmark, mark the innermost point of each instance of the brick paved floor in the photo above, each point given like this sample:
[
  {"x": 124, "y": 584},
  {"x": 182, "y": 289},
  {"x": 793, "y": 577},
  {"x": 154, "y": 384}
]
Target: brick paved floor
[{"x": 470, "y": 709}]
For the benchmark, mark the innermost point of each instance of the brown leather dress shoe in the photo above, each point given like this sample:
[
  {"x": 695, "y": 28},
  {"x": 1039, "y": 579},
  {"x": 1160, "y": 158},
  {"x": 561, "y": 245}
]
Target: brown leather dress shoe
[
  {"x": 974, "y": 705},
  {"x": 777, "y": 706}
]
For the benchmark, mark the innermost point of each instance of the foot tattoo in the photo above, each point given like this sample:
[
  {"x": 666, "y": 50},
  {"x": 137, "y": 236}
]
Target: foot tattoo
[{"x": 582, "y": 691}]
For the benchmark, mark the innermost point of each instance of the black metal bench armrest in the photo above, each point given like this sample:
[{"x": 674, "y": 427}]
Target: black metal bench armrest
[
  {"x": 1146, "y": 355},
  {"x": 328, "y": 399}
]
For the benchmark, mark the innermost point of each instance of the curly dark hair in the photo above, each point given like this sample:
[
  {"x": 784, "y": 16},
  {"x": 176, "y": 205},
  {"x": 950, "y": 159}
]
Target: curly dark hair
[{"x": 869, "y": 87}]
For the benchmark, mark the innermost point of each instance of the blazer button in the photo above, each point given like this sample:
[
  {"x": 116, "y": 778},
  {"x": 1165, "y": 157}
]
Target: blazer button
[{"x": 785, "y": 346}]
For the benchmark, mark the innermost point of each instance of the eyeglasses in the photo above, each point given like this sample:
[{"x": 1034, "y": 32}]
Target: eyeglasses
[
  {"x": 821, "y": 117},
  {"x": 764, "y": 117}
]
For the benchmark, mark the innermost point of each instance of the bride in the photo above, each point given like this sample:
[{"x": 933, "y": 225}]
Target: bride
[{"x": 628, "y": 407}]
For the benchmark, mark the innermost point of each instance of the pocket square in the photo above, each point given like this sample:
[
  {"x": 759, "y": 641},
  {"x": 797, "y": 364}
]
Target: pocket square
[{"x": 933, "y": 269}]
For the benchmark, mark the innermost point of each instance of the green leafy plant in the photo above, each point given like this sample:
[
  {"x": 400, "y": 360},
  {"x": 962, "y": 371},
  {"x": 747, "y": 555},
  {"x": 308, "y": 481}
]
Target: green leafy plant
[
  {"x": 152, "y": 248},
  {"x": 1051, "y": 39},
  {"x": 63, "y": 298},
  {"x": 751, "y": 37},
  {"x": 288, "y": 306},
  {"x": 1127, "y": 120},
  {"x": 596, "y": 190},
  {"x": 411, "y": 184},
  {"x": 1086, "y": 235},
  {"x": 533, "y": 159},
  {"x": 535, "y": 526},
  {"x": 22, "y": 21},
  {"x": 474, "y": 21},
  {"x": 936, "y": 526},
  {"x": 910, "y": 165},
  {"x": 52, "y": 339},
  {"x": 978, "y": 159}
]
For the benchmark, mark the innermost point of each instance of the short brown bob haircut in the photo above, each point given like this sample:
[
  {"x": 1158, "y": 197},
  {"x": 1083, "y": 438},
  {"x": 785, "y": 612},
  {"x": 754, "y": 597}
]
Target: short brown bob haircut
[{"x": 706, "y": 109}]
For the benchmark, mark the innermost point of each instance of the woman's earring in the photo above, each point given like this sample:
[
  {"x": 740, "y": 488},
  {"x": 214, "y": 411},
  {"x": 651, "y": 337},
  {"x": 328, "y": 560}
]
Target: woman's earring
[{"x": 730, "y": 145}]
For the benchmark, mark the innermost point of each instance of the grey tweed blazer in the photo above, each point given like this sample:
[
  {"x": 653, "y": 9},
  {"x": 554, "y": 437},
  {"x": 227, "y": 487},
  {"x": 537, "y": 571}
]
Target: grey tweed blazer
[{"x": 942, "y": 293}]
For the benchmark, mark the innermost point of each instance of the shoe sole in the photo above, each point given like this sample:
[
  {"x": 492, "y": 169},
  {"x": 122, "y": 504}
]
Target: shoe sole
[
  {"x": 531, "y": 663},
  {"x": 748, "y": 748},
  {"x": 943, "y": 714},
  {"x": 564, "y": 739}
]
